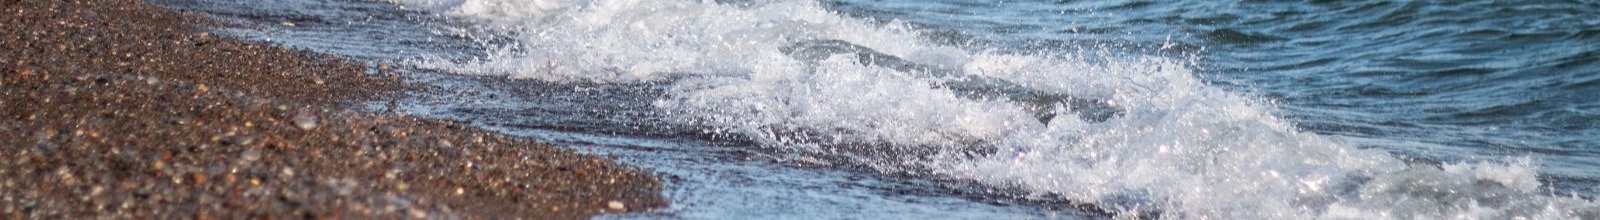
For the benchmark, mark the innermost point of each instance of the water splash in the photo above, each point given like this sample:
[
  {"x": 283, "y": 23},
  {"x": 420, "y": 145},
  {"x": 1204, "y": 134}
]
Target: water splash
[{"x": 1178, "y": 148}]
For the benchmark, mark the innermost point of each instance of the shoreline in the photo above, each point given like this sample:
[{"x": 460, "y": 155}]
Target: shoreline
[{"x": 121, "y": 109}]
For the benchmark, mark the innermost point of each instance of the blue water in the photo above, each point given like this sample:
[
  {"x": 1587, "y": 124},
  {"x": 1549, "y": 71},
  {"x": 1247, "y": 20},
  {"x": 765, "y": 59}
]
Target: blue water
[
  {"x": 1226, "y": 109},
  {"x": 1436, "y": 81}
]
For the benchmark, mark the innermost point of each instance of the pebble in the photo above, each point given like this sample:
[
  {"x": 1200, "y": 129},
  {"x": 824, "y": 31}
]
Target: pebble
[
  {"x": 251, "y": 155},
  {"x": 418, "y": 214},
  {"x": 197, "y": 178},
  {"x": 305, "y": 120},
  {"x": 615, "y": 205}
]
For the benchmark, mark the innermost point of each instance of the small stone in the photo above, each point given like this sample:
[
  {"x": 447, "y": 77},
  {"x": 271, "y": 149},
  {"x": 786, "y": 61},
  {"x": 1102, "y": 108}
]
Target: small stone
[
  {"x": 305, "y": 120},
  {"x": 418, "y": 214},
  {"x": 243, "y": 140},
  {"x": 615, "y": 205},
  {"x": 197, "y": 178},
  {"x": 250, "y": 155}
]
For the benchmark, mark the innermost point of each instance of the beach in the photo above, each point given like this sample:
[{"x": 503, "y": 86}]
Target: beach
[
  {"x": 809, "y": 109},
  {"x": 118, "y": 109}
]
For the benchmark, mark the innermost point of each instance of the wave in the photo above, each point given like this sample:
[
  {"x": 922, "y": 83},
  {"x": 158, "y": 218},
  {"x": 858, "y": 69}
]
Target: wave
[{"x": 1172, "y": 146}]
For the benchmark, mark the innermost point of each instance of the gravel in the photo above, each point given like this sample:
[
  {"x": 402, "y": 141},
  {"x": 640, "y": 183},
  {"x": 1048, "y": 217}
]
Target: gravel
[{"x": 117, "y": 109}]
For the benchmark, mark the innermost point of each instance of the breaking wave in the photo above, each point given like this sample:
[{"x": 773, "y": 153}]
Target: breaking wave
[{"x": 1150, "y": 138}]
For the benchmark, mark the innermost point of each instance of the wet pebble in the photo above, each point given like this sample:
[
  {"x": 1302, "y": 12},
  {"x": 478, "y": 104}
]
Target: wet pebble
[{"x": 305, "y": 120}]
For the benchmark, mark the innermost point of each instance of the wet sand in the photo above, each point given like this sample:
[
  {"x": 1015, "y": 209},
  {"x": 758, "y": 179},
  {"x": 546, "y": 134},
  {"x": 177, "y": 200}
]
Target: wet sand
[{"x": 117, "y": 109}]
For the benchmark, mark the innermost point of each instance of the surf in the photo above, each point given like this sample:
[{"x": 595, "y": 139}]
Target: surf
[
  {"x": 1042, "y": 105},
  {"x": 1150, "y": 138}
]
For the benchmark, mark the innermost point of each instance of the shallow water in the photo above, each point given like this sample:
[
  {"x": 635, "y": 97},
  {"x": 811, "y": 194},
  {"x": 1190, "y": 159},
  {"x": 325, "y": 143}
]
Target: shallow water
[{"x": 1225, "y": 109}]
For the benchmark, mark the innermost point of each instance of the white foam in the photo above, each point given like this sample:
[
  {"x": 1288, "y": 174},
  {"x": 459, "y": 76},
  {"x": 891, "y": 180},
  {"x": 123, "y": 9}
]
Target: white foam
[
  {"x": 507, "y": 10},
  {"x": 1180, "y": 147}
]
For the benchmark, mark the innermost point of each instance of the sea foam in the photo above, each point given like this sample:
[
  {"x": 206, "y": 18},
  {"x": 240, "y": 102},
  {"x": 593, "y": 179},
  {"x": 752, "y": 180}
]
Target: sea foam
[{"x": 1180, "y": 149}]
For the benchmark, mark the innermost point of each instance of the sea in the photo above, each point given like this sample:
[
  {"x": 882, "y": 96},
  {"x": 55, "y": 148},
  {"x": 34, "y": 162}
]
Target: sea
[{"x": 1030, "y": 109}]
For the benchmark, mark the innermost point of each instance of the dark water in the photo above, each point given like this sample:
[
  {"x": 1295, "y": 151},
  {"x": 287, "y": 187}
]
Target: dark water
[{"x": 1429, "y": 82}]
